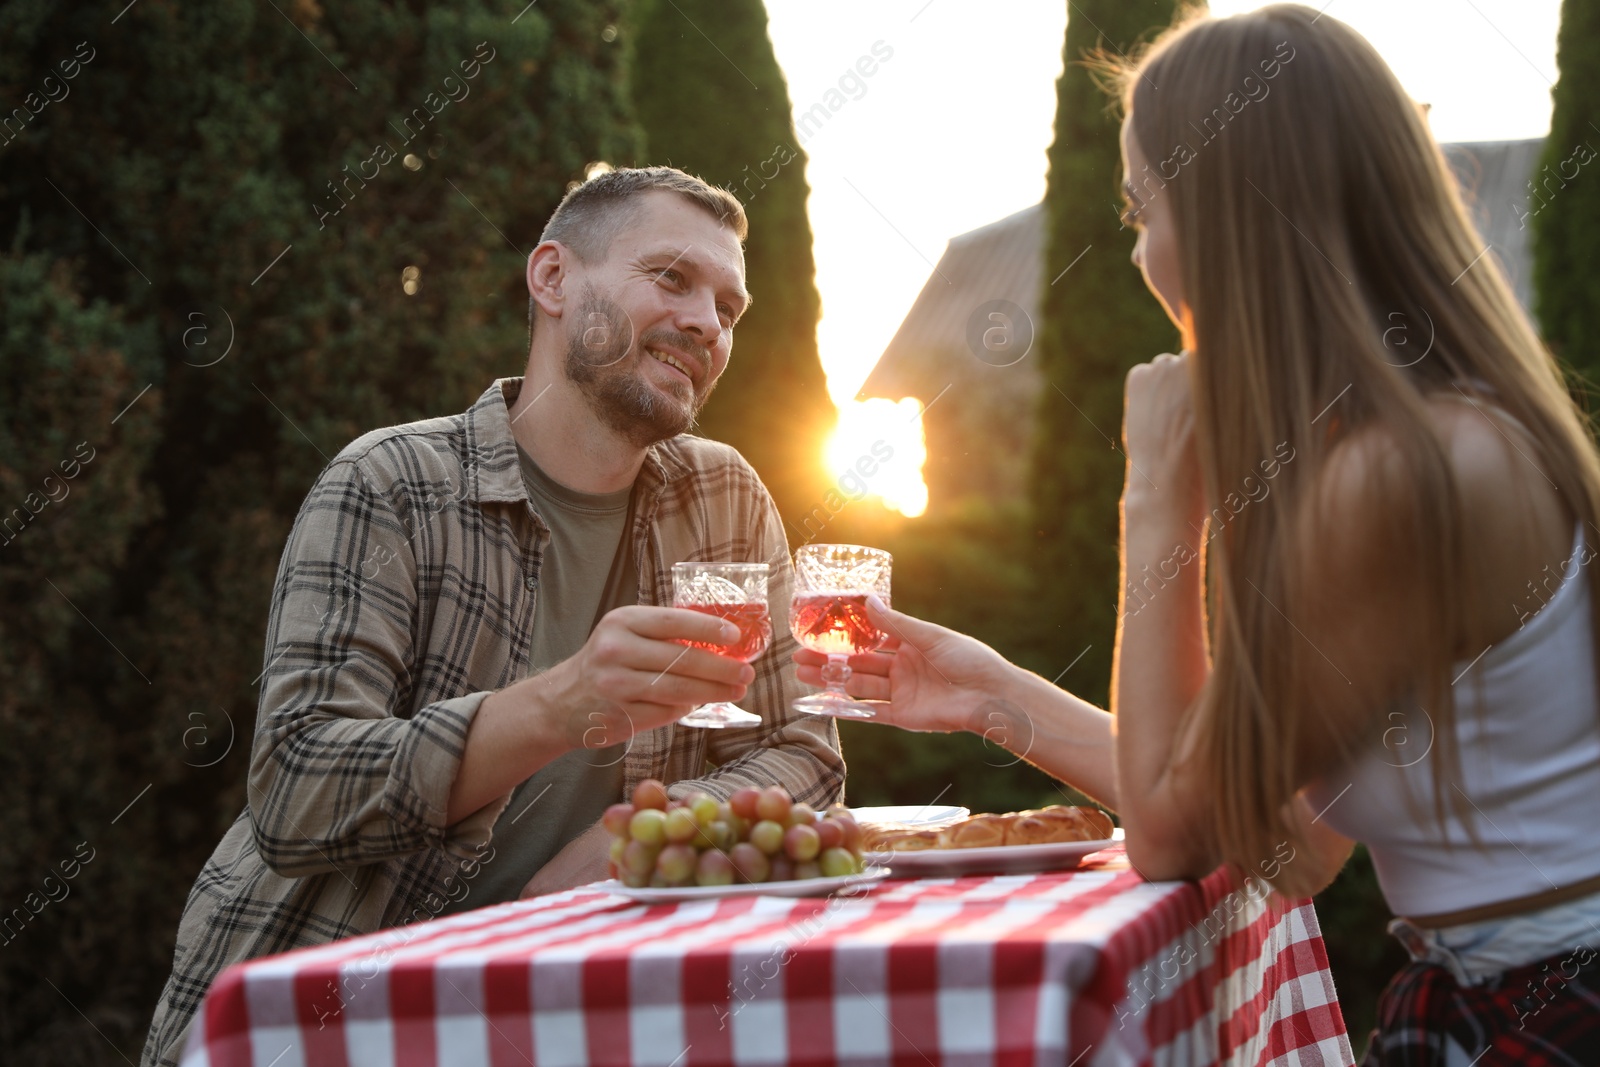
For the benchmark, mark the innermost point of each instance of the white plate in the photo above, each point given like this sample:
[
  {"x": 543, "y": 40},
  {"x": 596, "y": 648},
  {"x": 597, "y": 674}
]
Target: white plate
[
  {"x": 924, "y": 816},
  {"x": 798, "y": 887},
  {"x": 1003, "y": 859}
]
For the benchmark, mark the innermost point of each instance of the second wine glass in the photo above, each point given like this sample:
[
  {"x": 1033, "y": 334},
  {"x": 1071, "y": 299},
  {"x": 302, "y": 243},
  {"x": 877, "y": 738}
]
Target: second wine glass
[{"x": 829, "y": 615}]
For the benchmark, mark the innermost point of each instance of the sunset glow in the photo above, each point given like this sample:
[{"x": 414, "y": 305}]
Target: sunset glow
[{"x": 876, "y": 453}]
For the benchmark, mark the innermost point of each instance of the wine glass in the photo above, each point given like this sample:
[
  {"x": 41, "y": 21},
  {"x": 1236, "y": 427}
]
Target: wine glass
[
  {"x": 829, "y": 615},
  {"x": 736, "y": 592}
]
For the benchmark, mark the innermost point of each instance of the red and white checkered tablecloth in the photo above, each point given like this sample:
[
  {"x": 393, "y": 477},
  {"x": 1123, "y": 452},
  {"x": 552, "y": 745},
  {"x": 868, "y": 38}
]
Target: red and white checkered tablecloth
[{"x": 1087, "y": 968}]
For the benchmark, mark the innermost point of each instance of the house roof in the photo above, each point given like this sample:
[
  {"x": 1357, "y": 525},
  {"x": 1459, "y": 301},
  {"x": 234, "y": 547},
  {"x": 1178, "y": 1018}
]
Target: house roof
[{"x": 1004, "y": 259}]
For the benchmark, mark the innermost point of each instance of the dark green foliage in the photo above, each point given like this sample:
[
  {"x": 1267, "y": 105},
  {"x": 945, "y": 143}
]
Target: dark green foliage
[
  {"x": 712, "y": 100},
  {"x": 200, "y": 140},
  {"x": 1363, "y": 958},
  {"x": 1098, "y": 321},
  {"x": 1564, "y": 202}
]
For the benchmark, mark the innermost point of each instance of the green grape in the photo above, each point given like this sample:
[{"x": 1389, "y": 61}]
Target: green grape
[
  {"x": 802, "y": 815},
  {"x": 767, "y": 836},
  {"x": 704, "y": 808},
  {"x": 680, "y": 825},
  {"x": 649, "y": 825},
  {"x": 837, "y": 863}
]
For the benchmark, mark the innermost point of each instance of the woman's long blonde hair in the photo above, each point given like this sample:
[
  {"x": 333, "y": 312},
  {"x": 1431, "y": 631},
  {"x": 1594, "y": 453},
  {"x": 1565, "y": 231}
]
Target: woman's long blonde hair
[{"x": 1315, "y": 215}]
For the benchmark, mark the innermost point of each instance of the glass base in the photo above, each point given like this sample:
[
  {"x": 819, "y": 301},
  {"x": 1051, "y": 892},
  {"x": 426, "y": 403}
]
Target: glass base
[
  {"x": 839, "y": 705},
  {"x": 719, "y": 716}
]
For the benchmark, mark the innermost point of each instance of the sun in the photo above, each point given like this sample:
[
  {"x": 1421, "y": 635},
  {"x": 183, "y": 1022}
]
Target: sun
[{"x": 877, "y": 450}]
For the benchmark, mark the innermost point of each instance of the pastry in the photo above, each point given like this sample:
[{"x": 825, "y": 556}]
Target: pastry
[{"x": 1044, "y": 826}]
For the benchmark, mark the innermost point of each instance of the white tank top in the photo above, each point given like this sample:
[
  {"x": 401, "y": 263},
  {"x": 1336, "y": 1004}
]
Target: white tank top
[{"x": 1528, "y": 733}]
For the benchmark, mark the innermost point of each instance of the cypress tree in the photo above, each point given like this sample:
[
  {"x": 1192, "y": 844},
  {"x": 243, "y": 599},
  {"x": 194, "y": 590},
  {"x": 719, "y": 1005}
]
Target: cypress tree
[
  {"x": 233, "y": 238},
  {"x": 730, "y": 123},
  {"x": 1098, "y": 321},
  {"x": 1563, "y": 198}
]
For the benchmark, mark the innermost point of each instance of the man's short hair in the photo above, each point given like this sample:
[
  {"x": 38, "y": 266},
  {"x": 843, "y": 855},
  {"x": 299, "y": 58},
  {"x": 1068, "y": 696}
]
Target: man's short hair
[{"x": 593, "y": 212}]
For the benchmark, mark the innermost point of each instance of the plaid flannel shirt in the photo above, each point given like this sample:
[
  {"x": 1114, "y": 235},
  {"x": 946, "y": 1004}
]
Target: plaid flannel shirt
[{"x": 406, "y": 595}]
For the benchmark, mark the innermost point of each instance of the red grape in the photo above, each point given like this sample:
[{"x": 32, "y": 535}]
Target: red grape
[
  {"x": 616, "y": 819},
  {"x": 773, "y": 804},
  {"x": 852, "y": 832},
  {"x": 808, "y": 869},
  {"x": 650, "y": 793},
  {"x": 802, "y": 815},
  {"x": 677, "y": 864},
  {"x": 750, "y": 862},
  {"x": 830, "y": 833},
  {"x": 714, "y": 868},
  {"x": 743, "y": 802},
  {"x": 802, "y": 843},
  {"x": 638, "y": 858},
  {"x": 782, "y": 868}
]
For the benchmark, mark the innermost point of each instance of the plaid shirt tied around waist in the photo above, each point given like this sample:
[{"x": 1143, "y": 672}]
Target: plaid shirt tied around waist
[{"x": 406, "y": 595}]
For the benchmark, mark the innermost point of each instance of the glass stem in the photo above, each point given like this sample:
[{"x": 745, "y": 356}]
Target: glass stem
[{"x": 836, "y": 673}]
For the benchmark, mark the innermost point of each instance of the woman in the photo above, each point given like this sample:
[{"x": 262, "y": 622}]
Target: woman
[{"x": 1412, "y": 582}]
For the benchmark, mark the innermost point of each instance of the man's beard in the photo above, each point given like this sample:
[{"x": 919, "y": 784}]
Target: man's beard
[{"x": 603, "y": 362}]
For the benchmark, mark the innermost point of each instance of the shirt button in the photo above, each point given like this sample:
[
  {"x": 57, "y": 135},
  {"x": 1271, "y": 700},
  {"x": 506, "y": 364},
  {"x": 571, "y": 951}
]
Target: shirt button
[{"x": 532, "y": 582}]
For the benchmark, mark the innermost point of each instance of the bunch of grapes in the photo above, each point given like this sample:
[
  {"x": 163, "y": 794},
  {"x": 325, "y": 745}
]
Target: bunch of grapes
[{"x": 756, "y": 835}]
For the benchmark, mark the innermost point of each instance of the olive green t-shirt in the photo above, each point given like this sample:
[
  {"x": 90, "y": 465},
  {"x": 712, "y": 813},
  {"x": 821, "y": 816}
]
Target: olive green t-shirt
[{"x": 588, "y": 569}]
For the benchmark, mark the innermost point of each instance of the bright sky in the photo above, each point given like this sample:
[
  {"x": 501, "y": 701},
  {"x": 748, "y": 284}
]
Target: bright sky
[{"x": 950, "y": 132}]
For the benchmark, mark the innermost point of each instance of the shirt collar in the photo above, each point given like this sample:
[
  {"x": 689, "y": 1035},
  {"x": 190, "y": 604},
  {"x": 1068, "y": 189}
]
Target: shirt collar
[{"x": 495, "y": 471}]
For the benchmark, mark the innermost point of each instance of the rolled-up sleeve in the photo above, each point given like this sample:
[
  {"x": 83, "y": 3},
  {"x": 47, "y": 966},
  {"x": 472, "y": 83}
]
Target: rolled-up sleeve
[{"x": 343, "y": 772}]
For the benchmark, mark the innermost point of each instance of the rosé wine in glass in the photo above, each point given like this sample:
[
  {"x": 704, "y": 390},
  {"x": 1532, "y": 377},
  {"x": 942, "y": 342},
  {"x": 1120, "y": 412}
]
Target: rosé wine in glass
[
  {"x": 829, "y": 615},
  {"x": 834, "y": 623},
  {"x": 755, "y": 629}
]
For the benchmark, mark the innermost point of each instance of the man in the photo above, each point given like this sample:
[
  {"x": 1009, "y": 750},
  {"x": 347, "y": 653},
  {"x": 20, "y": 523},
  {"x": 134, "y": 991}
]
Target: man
[{"x": 465, "y": 665}]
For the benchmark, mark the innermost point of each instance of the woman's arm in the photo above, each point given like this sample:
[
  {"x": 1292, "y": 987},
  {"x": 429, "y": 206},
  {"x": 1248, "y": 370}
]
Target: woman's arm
[
  {"x": 940, "y": 681},
  {"x": 1158, "y": 670},
  {"x": 1160, "y": 664}
]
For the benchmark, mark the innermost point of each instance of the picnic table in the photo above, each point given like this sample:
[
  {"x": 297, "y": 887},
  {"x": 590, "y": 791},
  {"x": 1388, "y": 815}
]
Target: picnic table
[{"x": 1084, "y": 968}]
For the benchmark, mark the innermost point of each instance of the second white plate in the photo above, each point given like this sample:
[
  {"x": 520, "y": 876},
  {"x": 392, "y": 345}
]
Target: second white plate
[
  {"x": 925, "y": 816},
  {"x": 1004, "y": 859}
]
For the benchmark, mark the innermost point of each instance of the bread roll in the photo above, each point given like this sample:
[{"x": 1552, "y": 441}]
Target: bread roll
[
  {"x": 975, "y": 831},
  {"x": 1046, "y": 826}
]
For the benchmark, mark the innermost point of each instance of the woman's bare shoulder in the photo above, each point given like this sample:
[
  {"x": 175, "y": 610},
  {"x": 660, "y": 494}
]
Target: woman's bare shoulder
[{"x": 1513, "y": 520}]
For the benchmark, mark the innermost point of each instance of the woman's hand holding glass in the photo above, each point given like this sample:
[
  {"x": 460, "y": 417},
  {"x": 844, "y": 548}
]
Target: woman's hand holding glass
[{"x": 934, "y": 679}]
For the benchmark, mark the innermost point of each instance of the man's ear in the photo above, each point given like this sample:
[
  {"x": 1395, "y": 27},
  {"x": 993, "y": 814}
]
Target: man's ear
[{"x": 547, "y": 276}]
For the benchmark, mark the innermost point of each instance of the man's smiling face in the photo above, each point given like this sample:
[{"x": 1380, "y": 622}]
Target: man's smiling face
[{"x": 652, "y": 326}]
